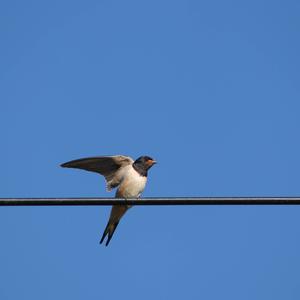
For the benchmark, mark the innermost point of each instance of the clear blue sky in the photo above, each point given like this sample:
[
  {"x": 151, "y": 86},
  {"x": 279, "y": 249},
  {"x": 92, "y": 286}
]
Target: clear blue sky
[{"x": 208, "y": 88}]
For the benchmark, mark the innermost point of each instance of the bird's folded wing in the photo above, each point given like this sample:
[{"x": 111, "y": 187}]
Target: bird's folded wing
[{"x": 108, "y": 166}]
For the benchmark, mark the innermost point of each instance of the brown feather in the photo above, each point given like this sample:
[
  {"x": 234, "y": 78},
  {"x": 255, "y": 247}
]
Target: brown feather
[{"x": 107, "y": 166}]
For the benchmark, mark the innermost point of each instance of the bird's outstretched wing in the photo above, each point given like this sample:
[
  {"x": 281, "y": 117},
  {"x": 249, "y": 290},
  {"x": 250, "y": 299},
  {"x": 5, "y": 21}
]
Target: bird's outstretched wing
[{"x": 108, "y": 166}]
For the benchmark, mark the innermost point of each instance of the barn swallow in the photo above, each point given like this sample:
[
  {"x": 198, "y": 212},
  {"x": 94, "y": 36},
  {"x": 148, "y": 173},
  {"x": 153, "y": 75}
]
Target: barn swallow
[{"x": 119, "y": 171}]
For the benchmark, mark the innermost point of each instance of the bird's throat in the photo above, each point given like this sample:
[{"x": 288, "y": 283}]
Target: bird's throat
[{"x": 140, "y": 169}]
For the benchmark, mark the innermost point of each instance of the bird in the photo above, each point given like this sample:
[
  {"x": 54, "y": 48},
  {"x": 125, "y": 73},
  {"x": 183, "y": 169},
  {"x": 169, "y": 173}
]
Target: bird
[{"x": 122, "y": 172}]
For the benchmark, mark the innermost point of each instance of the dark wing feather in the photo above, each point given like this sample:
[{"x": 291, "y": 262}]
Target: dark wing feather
[{"x": 108, "y": 166}]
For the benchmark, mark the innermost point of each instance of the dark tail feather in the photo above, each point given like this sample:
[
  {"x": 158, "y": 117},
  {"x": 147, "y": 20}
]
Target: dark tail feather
[
  {"x": 104, "y": 233},
  {"x": 109, "y": 231}
]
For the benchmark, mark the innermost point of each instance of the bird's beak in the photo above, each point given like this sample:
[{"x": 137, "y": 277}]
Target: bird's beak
[{"x": 153, "y": 162}]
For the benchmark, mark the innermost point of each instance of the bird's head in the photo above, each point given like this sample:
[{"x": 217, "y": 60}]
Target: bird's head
[
  {"x": 145, "y": 161},
  {"x": 143, "y": 164}
]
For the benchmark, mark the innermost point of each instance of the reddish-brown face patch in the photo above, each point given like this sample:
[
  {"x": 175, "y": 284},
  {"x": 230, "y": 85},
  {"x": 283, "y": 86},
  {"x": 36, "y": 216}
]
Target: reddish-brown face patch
[{"x": 150, "y": 162}]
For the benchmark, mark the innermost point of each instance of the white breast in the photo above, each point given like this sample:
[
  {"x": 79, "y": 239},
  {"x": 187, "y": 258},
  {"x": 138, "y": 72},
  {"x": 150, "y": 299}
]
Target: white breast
[{"x": 132, "y": 185}]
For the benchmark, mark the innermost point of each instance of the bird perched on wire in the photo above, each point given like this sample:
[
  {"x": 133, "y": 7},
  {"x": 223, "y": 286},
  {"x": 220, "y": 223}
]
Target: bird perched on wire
[{"x": 119, "y": 171}]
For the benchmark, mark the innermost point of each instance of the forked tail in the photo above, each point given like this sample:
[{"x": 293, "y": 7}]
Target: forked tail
[{"x": 109, "y": 231}]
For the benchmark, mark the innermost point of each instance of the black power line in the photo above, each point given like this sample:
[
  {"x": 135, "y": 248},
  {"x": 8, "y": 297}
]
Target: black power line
[{"x": 150, "y": 201}]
